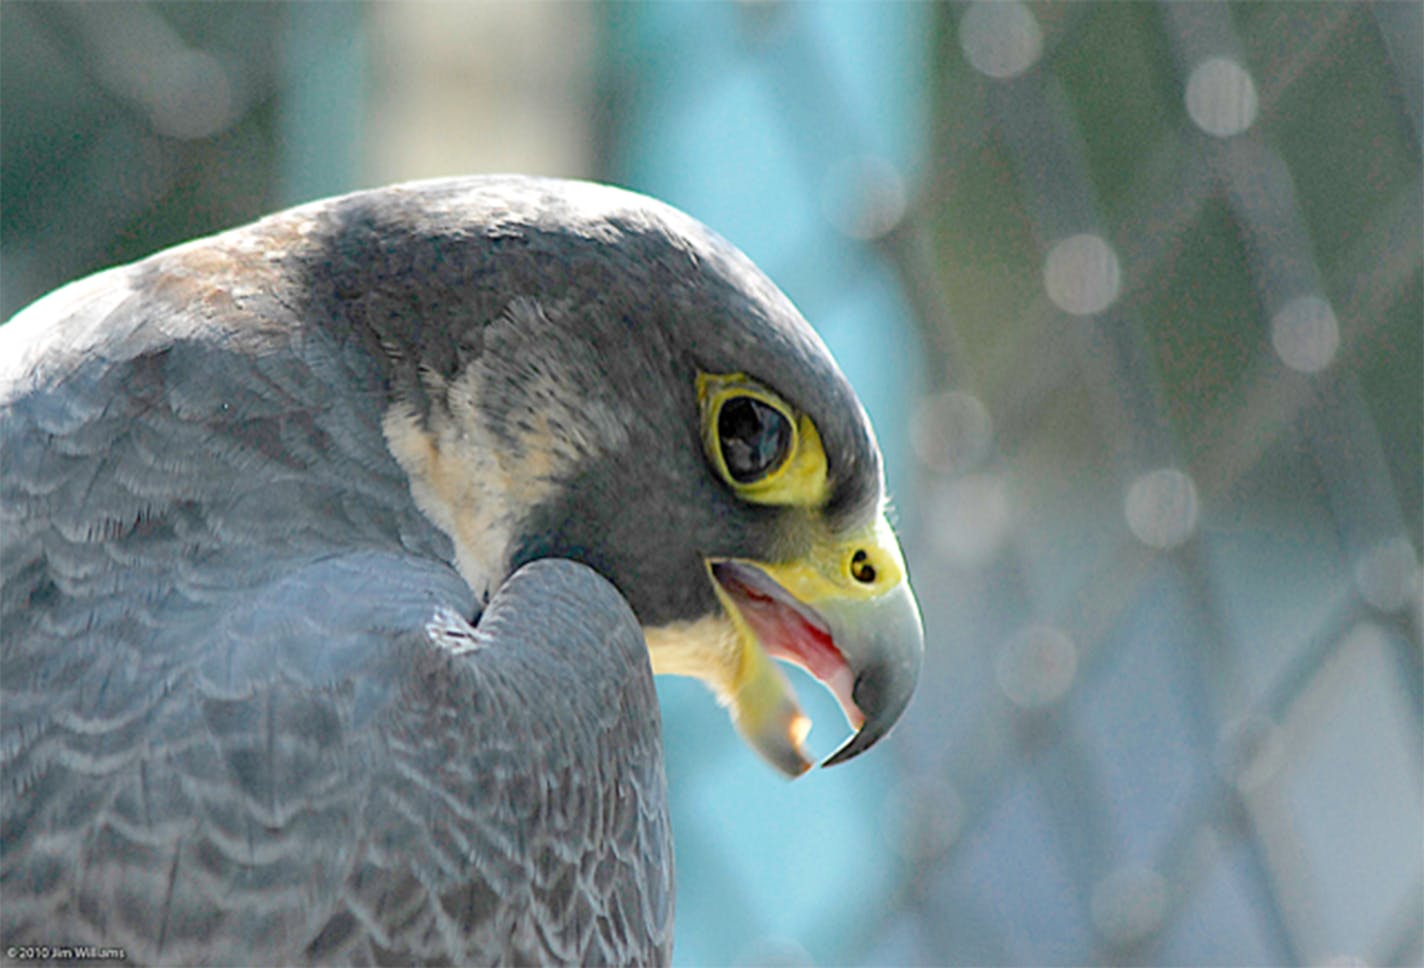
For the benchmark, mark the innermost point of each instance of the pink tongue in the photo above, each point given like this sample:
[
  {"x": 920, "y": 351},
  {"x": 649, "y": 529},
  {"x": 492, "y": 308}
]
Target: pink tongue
[{"x": 786, "y": 634}]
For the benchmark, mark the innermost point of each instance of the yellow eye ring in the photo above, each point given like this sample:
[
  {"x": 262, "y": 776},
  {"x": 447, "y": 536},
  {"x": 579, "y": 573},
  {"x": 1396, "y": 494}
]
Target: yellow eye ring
[{"x": 758, "y": 444}]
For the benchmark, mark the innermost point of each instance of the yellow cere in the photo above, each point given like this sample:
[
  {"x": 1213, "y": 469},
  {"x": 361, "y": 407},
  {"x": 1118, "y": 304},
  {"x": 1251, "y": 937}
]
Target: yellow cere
[
  {"x": 800, "y": 479},
  {"x": 864, "y": 564}
]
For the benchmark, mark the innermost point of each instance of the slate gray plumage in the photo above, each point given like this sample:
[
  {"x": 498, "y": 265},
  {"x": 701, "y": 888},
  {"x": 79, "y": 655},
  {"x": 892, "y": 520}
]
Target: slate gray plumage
[{"x": 262, "y": 701}]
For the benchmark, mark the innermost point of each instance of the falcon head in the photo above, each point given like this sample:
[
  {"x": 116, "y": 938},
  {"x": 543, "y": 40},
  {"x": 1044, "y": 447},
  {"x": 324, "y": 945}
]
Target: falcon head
[{"x": 570, "y": 370}]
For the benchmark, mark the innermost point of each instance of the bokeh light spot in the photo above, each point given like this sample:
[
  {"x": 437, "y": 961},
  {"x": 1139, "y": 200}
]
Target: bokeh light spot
[
  {"x": 1221, "y": 97},
  {"x": 1001, "y": 39},
  {"x": 969, "y": 518},
  {"x": 190, "y": 95},
  {"x": 1037, "y": 666},
  {"x": 1305, "y": 334},
  {"x": 1082, "y": 275},
  {"x": 951, "y": 432},
  {"x": 1388, "y": 575},
  {"x": 864, "y": 198},
  {"x": 1162, "y": 508}
]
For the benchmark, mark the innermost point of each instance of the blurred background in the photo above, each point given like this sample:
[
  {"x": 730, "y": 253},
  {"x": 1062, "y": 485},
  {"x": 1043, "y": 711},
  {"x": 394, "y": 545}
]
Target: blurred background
[{"x": 1133, "y": 294}]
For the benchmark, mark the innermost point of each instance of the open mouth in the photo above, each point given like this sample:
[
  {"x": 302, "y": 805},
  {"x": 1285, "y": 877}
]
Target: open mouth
[
  {"x": 789, "y": 630},
  {"x": 842, "y": 610}
]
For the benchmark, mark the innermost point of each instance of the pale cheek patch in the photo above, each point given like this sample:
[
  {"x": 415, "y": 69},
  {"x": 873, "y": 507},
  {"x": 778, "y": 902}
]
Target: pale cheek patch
[
  {"x": 478, "y": 467},
  {"x": 458, "y": 484},
  {"x": 707, "y": 648},
  {"x": 474, "y": 486}
]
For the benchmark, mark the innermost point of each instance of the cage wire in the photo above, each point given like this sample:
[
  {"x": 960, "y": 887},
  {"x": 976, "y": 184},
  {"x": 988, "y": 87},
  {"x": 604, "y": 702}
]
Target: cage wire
[
  {"x": 1186, "y": 453},
  {"x": 1165, "y": 263},
  {"x": 1165, "y": 260}
]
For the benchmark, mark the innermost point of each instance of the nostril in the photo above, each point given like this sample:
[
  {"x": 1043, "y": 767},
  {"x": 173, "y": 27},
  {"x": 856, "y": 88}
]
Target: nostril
[{"x": 861, "y": 569}]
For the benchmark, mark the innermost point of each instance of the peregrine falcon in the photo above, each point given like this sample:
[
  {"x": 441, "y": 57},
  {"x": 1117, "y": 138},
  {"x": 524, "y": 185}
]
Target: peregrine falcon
[{"x": 339, "y": 551}]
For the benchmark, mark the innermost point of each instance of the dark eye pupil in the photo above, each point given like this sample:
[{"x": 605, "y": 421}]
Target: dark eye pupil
[{"x": 754, "y": 438}]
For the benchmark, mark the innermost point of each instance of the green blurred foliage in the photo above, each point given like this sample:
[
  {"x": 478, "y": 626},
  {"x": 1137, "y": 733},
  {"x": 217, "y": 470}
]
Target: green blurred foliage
[{"x": 87, "y": 181}]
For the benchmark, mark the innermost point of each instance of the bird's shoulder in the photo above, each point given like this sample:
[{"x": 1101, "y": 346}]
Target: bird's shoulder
[{"x": 340, "y": 764}]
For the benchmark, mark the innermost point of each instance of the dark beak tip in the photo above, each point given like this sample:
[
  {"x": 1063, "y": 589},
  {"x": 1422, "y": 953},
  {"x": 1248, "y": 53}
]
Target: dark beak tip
[
  {"x": 884, "y": 696},
  {"x": 846, "y": 752},
  {"x": 858, "y": 743}
]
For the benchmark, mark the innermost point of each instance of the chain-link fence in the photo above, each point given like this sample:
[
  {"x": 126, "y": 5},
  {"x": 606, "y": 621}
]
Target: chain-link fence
[
  {"x": 1176, "y": 290},
  {"x": 1165, "y": 264},
  {"x": 1159, "y": 272}
]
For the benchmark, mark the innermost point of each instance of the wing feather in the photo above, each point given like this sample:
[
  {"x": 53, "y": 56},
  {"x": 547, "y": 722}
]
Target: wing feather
[{"x": 248, "y": 711}]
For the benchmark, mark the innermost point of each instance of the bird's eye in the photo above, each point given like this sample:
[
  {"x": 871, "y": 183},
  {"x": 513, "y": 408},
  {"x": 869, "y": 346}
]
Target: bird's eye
[
  {"x": 754, "y": 436},
  {"x": 759, "y": 445}
]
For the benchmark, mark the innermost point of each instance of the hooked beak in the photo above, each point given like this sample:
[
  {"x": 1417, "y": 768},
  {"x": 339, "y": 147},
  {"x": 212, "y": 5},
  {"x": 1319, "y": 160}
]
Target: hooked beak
[{"x": 845, "y": 614}]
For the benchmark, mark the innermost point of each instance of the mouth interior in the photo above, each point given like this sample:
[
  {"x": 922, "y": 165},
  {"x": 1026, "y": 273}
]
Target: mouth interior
[{"x": 789, "y": 630}]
